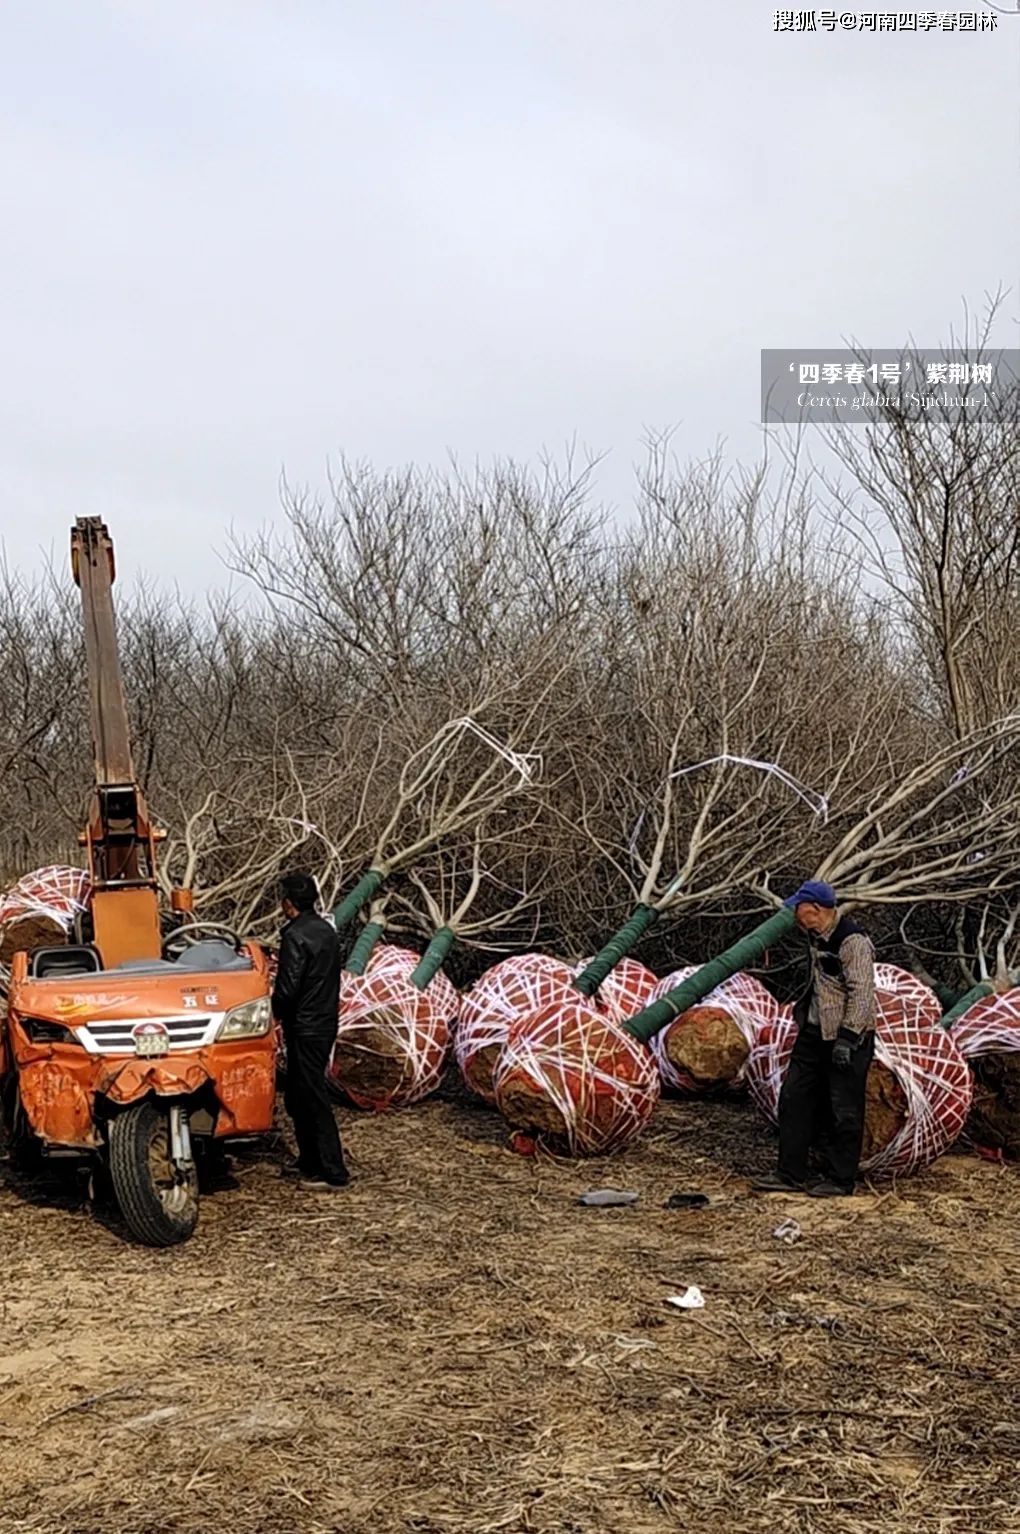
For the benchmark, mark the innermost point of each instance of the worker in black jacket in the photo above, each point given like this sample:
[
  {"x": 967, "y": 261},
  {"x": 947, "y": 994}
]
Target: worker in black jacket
[{"x": 306, "y": 998}]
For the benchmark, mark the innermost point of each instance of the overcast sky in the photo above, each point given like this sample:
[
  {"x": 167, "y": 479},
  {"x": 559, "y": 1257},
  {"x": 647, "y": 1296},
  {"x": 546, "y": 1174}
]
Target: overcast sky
[{"x": 241, "y": 237}]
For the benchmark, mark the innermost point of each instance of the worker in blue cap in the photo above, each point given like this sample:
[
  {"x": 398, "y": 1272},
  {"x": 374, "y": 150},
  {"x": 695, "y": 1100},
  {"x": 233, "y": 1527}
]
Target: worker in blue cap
[{"x": 821, "y": 1105}]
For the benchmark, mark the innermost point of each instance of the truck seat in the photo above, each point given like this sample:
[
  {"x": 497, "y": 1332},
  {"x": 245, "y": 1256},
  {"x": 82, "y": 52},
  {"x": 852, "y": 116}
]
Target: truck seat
[
  {"x": 211, "y": 955},
  {"x": 67, "y": 962}
]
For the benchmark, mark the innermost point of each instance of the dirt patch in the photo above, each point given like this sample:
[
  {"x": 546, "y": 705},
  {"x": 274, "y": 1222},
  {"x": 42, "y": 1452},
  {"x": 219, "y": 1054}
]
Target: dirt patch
[{"x": 454, "y": 1346}]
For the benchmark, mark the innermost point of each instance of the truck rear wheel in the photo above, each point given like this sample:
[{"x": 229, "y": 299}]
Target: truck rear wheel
[{"x": 159, "y": 1203}]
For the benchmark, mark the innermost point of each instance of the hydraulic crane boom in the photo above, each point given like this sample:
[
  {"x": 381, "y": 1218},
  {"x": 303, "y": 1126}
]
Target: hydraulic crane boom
[{"x": 119, "y": 836}]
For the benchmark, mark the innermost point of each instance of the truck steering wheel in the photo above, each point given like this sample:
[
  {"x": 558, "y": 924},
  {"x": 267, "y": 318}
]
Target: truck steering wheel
[{"x": 192, "y": 932}]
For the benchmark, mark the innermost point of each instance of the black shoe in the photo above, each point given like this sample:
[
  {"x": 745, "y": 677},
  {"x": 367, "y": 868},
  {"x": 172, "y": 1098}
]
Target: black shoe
[
  {"x": 827, "y": 1189},
  {"x": 324, "y": 1184},
  {"x": 293, "y": 1169},
  {"x": 776, "y": 1182}
]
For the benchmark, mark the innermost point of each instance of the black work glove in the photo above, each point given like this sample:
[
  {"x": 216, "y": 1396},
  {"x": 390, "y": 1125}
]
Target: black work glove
[{"x": 843, "y": 1053}]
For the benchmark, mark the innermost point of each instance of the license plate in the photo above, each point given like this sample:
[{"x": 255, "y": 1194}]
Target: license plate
[{"x": 152, "y": 1044}]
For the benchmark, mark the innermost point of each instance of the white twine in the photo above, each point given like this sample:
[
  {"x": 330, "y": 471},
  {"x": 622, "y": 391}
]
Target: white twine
[
  {"x": 295, "y": 820},
  {"x": 527, "y": 764},
  {"x": 58, "y": 893},
  {"x": 603, "y": 1083},
  {"x": 817, "y": 803},
  {"x": 414, "y": 1027},
  {"x": 513, "y": 987},
  {"x": 748, "y": 1004},
  {"x": 991, "y": 1025},
  {"x": 926, "y": 1061}
]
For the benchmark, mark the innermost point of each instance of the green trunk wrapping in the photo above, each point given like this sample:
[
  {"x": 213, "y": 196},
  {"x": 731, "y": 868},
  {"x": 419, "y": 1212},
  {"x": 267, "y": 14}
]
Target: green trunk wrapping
[
  {"x": 590, "y": 978},
  {"x": 946, "y": 997},
  {"x": 431, "y": 961},
  {"x": 360, "y": 895},
  {"x": 966, "y": 1002},
  {"x": 371, "y": 932},
  {"x": 728, "y": 963}
]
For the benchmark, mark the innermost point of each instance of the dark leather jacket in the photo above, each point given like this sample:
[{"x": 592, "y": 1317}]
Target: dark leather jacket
[{"x": 306, "y": 995}]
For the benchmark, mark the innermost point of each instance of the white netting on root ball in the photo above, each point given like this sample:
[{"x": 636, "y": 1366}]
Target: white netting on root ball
[
  {"x": 393, "y": 1039},
  {"x": 919, "y": 1088},
  {"x": 627, "y": 988},
  {"x": 991, "y": 1024},
  {"x": 768, "y": 1059},
  {"x": 898, "y": 989},
  {"x": 522, "y": 983},
  {"x": 988, "y": 1037},
  {"x": 569, "y": 1076},
  {"x": 707, "y": 1047},
  {"x": 391, "y": 956},
  {"x": 41, "y": 908}
]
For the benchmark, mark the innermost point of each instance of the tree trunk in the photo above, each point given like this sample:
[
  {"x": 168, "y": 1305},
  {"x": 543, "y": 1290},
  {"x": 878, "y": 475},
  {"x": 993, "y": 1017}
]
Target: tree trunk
[
  {"x": 431, "y": 961},
  {"x": 694, "y": 989},
  {"x": 956, "y": 1011},
  {"x": 618, "y": 946},
  {"x": 358, "y": 957},
  {"x": 360, "y": 895}
]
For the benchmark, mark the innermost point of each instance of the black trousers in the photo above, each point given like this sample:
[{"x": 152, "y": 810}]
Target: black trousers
[
  {"x": 307, "y": 1101},
  {"x": 823, "y": 1108}
]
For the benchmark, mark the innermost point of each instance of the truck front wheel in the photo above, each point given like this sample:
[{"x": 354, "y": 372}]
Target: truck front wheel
[{"x": 159, "y": 1201}]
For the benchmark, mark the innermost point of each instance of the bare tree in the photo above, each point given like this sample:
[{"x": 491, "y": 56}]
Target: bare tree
[
  {"x": 733, "y": 624},
  {"x": 695, "y": 688},
  {"x": 939, "y": 529}
]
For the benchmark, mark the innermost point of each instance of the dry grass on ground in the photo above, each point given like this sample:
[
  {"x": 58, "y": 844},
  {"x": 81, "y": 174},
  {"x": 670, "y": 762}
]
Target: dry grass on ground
[{"x": 453, "y": 1346}]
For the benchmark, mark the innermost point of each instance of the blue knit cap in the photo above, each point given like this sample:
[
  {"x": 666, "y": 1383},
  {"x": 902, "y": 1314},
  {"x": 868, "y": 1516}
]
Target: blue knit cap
[{"x": 813, "y": 892}]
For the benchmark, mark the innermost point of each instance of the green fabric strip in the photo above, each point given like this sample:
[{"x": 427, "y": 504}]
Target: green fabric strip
[
  {"x": 370, "y": 934},
  {"x": 431, "y": 961},
  {"x": 360, "y": 895},
  {"x": 618, "y": 946},
  {"x": 694, "y": 989},
  {"x": 965, "y": 1003}
]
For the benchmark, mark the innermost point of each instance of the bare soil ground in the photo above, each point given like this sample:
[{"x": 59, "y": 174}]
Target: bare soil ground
[{"x": 454, "y": 1346}]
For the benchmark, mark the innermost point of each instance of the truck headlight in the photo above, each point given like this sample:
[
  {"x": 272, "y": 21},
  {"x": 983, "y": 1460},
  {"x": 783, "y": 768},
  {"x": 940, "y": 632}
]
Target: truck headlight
[
  {"x": 249, "y": 1021},
  {"x": 41, "y": 1031}
]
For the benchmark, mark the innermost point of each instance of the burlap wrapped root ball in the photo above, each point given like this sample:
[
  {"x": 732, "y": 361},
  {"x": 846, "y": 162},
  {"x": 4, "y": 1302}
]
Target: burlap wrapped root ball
[
  {"x": 393, "y": 1039},
  {"x": 571, "y": 1078},
  {"x": 988, "y": 1038},
  {"x": 706, "y": 1048},
  {"x": 919, "y": 1088},
  {"x": 629, "y": 987},
  {"x": 40, "y": 909},
  {"x": 520, "y": 984}
]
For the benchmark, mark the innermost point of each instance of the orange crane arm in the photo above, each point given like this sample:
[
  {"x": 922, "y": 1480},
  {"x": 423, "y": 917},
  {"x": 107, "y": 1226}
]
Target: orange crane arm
[{"x": 119, "y": 836}]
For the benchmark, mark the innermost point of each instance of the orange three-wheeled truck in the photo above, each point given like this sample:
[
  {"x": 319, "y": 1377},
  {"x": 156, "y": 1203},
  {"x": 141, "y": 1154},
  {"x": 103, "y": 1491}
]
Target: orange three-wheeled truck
[{"x": 134, "y": 1043}]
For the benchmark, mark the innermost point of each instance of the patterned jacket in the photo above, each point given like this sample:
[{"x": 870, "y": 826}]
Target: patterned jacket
[{"x": 842, "y": 993}]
